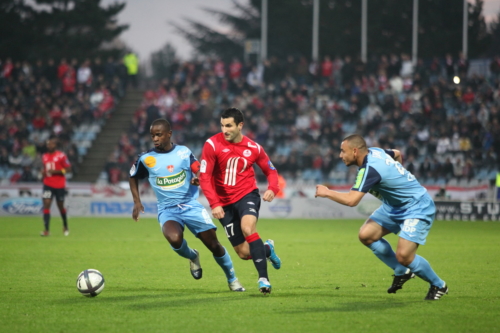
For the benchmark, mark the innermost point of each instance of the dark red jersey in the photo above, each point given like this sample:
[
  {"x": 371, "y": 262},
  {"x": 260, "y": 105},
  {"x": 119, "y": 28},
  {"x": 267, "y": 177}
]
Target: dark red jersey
[
  {"x": 55, "y": 161},
  {"x": 226, "y": 173}
]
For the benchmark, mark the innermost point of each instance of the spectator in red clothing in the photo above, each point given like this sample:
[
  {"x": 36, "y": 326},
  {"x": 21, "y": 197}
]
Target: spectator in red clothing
[
  {"x": 326, "y": 69},
  {"x": 62, "y": 69},
  {"x": 69, "y": 82},
  {"x": 235, "y": 69},
  {"x": 7, "y": 69},
  {"x": 469, "y": 96}
]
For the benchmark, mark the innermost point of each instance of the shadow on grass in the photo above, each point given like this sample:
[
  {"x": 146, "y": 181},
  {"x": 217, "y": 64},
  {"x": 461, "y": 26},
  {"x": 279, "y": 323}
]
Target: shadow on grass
[{"x": 353, "y": 307}]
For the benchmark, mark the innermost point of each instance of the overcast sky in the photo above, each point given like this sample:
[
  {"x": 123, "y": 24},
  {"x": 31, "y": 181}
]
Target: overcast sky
[{"x": 150, "y": 29}]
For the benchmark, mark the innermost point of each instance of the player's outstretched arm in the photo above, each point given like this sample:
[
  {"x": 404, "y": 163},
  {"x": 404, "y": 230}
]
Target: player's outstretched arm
[
  {"x": 134, "y": 189},
  {"x": 351, "y": 198}
]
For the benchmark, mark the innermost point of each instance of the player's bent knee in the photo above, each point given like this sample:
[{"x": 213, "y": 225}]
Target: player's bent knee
[
  {"x": 405, "y": 259},
  {"x": 174, "y": 239}
]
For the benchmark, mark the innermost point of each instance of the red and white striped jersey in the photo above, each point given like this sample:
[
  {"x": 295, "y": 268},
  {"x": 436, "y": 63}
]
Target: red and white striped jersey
[{"x": 226, "y": 172}]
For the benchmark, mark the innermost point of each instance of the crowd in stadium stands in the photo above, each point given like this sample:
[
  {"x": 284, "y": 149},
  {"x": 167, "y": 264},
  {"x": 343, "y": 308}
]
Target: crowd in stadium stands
[
  {"x": 300, "y": 111},
  {"x": 39, "y": 99},
  {"x": 442, "y": 119}
]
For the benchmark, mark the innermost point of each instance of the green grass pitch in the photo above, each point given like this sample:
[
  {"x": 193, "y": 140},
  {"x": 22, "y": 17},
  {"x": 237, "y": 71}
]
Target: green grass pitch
[{"x": 328, "y": 282}]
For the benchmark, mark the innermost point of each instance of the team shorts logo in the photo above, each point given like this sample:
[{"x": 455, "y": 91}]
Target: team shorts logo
[
  {"x": 150, "y": 161},
  {"x": 170, "y": 168},
  {"x": 203, "y": 166},
  {"x": 132, "y": 170},
  {"x": 247, "y": 153},
  {"x": 172, "y": 182},
  {"x": 271, "y": 166},
  {"x": 252, "y": 210},
  {"x": 409, "y": 225}
]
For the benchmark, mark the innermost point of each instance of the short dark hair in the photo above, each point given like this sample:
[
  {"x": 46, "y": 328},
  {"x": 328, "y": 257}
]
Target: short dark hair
[
  {"x": 356, "y": 141},
  {"x": 233, "y": 113},
  {"x": 53, "y": 137},
  {"x": 163, "y": 122}
]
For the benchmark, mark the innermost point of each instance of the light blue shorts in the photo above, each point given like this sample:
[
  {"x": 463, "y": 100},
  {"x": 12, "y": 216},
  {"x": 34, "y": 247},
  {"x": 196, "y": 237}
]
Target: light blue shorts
[
  {"x": 412, "y": 224},
  {"x": 191, "y": 214}
]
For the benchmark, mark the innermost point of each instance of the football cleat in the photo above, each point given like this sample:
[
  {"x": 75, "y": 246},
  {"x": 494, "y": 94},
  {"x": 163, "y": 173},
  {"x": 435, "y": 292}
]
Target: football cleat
[
  {"x": 436, "y": 293},
  {"x": 264, "y": 286},
  {"x": 236, "y": 286},
  {"x": 398, "y": 281},
  {"x": 195, "y": 267},
  {"x": 273, "y": 257},
  {"x": 44, "y": 233},
  {"x": 66, "y": 232}
]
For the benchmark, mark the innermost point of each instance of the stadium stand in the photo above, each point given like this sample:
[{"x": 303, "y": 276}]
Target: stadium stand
[
  {"x": 71, "y": 100},
  {"x": 300, "y": 111}
]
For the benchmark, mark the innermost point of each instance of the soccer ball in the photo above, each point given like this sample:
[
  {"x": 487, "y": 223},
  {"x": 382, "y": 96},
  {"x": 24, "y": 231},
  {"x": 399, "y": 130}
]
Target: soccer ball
[{"x": 90, "y": 282}]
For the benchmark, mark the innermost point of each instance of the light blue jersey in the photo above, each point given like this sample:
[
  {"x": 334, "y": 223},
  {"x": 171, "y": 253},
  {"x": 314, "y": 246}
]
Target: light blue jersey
[
  {"x": 169, "y": 173},
  {"x": 407, "y": 207},
  {"x": 388, "y": 180}
]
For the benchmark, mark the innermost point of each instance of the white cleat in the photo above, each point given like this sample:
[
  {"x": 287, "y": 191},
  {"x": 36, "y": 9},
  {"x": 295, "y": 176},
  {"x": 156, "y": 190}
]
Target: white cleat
[
  {"x": 236, "y": 286},
  {"x": 195, "y": 266}
]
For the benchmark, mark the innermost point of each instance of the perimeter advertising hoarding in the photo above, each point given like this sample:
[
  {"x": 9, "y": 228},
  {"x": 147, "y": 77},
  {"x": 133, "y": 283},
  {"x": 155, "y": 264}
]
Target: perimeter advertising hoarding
[{"x": 303, "y": 208}]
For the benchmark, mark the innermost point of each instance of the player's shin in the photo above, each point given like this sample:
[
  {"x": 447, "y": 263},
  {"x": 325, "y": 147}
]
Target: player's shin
[
  {"x": 226, "y": 264},
  {"x": 258, "y": 253},
  {"x": 383, "y": 250},
  {"x": 423, "y": 270},
  {"x": 46, "y": 219},
  {"x": 185, "y": 251}
]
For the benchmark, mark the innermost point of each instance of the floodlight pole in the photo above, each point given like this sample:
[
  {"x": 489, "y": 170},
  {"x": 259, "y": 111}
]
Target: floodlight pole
[
  {"x": 263, "y": 32},
  {"x": 414, "y": 53},
  {"x": 364, "y": 24},
  {"x": 465, "y": 30},
  {"x": 315, "y": 46}
]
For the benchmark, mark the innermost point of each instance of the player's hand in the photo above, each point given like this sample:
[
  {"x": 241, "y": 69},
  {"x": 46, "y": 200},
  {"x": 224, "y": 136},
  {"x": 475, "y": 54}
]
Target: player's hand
[
  {"x": 321, "y": 191},
  {"x": 268, "y": 196},
  {"x": 218, "y": 212},
  {"x": 195, "y": 181},
  {"x": 138, "y": 207},
  {"x": 48, "y": 173}
]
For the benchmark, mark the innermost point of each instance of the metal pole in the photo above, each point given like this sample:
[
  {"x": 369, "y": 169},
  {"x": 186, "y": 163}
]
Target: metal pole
[
  {"x": 465, "y": 31},
  {"x": 414, "y": 50},
  {"x": 263, "y": 32},
  {"x": 364, "y": 19},
  {"x": 315, "y": 30}
]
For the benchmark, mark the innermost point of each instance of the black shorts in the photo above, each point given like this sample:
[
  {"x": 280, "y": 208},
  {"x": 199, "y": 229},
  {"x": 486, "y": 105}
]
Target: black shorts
[
  {"x": 50, "y": 192},
  {"x": 248, "y": 205}
]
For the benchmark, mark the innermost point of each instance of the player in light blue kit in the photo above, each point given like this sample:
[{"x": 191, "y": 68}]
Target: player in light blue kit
[
  {"x": 169, "y": 169},
  {"x": 406, "y": 209}
]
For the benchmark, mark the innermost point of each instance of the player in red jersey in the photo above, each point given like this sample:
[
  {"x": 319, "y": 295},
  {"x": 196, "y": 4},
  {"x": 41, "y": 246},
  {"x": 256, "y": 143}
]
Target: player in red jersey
[
  {"x": 228, "y": 181},
  {"x": 55, "y": 166}
]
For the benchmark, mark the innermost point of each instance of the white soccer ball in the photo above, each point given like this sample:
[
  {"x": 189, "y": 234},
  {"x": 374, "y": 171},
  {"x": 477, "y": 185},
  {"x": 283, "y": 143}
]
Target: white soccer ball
[{"x": 90, "y": 282}]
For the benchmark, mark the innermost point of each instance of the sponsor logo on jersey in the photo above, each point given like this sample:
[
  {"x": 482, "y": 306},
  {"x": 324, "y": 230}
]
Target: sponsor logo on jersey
[
  {"x": 170, "y": 168},
  {"x": 247, "y": 152},
  {"x": 132, "y": 170},
  {"x": 359, "y": 178},
  {"x": 271, "y": 166},
  {"x": 172, "y": 182},
  {"x": 183, "y": 154},
  {"x": 150, "y": 161},
  {"x": 203, "y": 166}
]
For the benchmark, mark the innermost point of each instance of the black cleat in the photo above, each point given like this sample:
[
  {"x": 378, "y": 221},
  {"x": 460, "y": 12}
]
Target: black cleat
[
  {"x": 436, "y": 293},
  {"x": 195, "y": 267},
  {"x": 398, "y": 282}
]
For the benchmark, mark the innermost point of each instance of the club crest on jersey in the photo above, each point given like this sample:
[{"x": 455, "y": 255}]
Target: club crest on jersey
[
  {"x": 203, "y": 167},
  {"x": 170, "y": 168},
  {"x": 271, "y": 166},
  {"x": 172, "y": 182},
  {"x": 247, "y": 153},
  {"x": 150, "y": 161}
]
